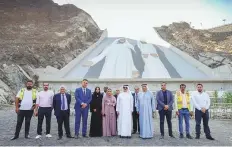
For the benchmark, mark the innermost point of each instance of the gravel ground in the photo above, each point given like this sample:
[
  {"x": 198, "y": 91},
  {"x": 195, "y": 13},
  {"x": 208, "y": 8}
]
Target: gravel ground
[{"x": 221, "y": 131}]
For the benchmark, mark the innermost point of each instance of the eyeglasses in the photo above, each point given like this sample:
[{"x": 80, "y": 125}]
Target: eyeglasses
[{"x": 124, "y": 87}]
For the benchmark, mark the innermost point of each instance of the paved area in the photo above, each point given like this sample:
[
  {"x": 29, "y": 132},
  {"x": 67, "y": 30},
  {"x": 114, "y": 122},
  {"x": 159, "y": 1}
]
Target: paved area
[{"x": 221, "y": 130}]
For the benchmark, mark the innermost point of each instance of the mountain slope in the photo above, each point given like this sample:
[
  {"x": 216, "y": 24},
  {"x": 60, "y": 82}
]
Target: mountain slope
[
  {"x": 40, "y": 33},
  {"x": 212, "y": 47}
]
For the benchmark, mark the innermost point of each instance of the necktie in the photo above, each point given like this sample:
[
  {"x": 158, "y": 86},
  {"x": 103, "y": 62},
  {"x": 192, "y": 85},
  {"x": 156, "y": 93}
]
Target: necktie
[
  {"x": 63, "y": 103},
  {"x": 84, "y": 91},
  {"x": 136, "y": 99}
]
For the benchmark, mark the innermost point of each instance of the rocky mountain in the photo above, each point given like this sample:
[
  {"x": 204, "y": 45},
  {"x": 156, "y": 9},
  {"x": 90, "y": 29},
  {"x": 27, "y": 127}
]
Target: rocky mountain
[
  {"x": 213, "y": 47},
  {"x": 39, "y": 33}
]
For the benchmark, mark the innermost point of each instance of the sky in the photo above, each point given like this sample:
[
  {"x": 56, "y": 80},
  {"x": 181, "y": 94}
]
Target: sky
[{"x": 135, "y": 18}]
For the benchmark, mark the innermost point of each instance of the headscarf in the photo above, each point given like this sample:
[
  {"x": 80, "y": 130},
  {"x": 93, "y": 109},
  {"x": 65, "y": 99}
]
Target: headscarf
[
  {"x": 95, "y": 93},
  {"x": 146, "y": 86},
  {"x": 126, "y": 44},
  {"x": 128, "y": 89},
  {"x": 107, "y": 96}
]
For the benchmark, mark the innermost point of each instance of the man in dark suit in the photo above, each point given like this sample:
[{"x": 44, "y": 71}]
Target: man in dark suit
[
  {"x": 165, "y": 101},
  {"x": 135, "y": 114},
  {"x": 83, "y": 97},
  {"x": 61, "y": 105}
]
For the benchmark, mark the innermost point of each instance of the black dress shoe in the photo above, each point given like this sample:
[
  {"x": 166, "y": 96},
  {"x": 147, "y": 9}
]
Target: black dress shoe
[
  {"x": 133, "y": 132},
  {"x": 172, "y": 136},
  {"x": 197, "y": 137},
  {"x": 161, "y": 137},
  {"x": 15, "y": 137},
  {"x": 85, "y": 136},
  {"x": 69, "y": 136},
  {"x": 59, "y": 138},
  {"x": 210, "y": 138},
  {"x": 181, "y": 135},
  {"x": 76, "y": 137},
  {"x": 189, "y": 136}
]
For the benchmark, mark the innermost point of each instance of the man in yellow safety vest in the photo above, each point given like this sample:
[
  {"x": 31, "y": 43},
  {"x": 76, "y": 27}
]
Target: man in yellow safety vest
[
  {"x": 183, "y": 107},
  {"x": 24, "y": 106}
]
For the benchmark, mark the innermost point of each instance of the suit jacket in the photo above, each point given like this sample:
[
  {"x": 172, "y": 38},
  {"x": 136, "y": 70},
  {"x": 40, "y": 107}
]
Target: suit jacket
[
  {"x": 133, "y": 94},
  {"x": 81, "y": 98},
  {"x": 160, "y": 100},
  {"x": 57, "y": 103}
]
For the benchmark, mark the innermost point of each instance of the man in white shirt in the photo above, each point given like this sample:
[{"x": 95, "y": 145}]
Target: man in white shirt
[
  {"x": 24, "y": 107},
  {"x": 43, "y": 108},
  {"x": 184, "y": 110},
  {"x": 201, "y": 102}
]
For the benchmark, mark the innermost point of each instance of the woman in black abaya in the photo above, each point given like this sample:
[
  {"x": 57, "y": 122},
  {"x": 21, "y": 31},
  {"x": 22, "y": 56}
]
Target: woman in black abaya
[{"x": 96, "y": 117}]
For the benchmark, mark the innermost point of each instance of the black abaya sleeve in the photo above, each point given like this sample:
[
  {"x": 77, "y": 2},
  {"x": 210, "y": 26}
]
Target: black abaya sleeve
[{"x": 92, "y": 104}]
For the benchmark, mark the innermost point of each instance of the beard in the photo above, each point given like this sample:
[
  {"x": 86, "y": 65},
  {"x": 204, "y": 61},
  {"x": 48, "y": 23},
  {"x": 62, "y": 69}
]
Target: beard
[
  {"x": 29, "y": 87},
  {"x": 46, "y": 88}
]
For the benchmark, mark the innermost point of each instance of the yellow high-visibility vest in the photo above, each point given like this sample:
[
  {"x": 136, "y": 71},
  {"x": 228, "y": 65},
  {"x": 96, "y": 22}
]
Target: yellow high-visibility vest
[
  {"x": 180, "y": 100},
  {"x": 21, "y": 95}
]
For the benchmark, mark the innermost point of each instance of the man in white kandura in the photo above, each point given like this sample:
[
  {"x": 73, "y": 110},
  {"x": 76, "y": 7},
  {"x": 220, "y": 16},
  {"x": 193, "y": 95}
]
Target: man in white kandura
[
  {"x": 146, "y": 110},
  {"x": 124, "y": 110},
  {"x": 154, "y": 67},
  {"x": 118, "y": 60}
]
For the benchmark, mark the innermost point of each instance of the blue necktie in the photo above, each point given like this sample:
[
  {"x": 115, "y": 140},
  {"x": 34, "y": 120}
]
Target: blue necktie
[
  {"x": 84, "y": 92},
  {"x": 63, "y": 103}
]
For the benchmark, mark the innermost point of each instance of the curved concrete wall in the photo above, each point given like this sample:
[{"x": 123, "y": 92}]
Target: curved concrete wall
[
  {"x": 74, "y": 62},
  {"x": 205, "y": 69}
]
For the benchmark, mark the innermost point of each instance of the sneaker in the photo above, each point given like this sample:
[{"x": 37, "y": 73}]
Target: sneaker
[
  {"x": 181, "y": 135},
  {"x": 48, "y": 135},
  {"x": 38, "y": 136}
]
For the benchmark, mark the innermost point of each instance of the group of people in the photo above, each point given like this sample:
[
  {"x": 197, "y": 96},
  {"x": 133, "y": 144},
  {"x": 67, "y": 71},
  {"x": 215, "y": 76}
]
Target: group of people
[{"x": 112, "y": 115}]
